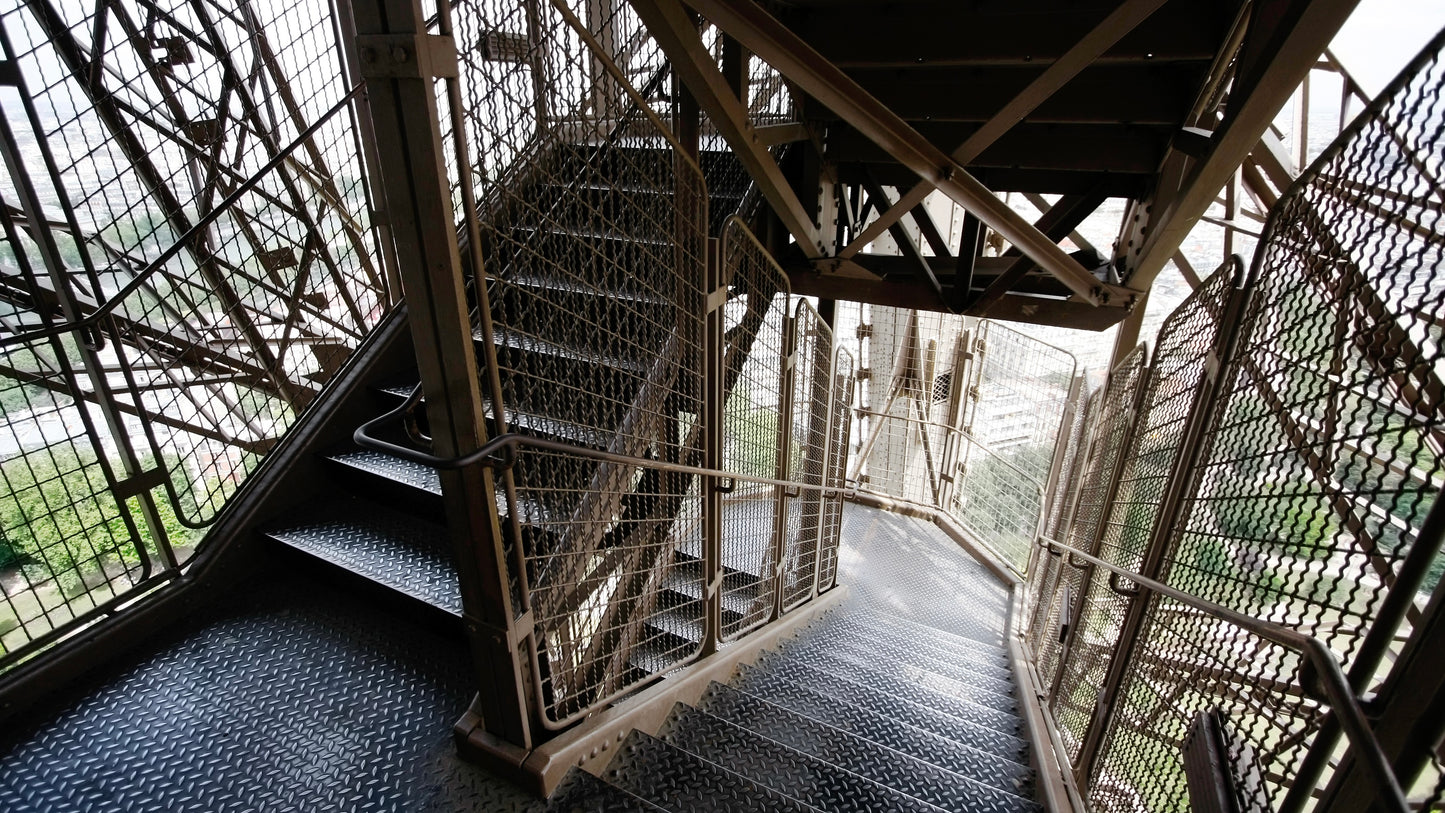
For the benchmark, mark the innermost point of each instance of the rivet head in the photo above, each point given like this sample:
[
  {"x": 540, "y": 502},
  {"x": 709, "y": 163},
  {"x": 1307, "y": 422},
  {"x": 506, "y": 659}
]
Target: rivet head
[{"x": 400, "y": 54}]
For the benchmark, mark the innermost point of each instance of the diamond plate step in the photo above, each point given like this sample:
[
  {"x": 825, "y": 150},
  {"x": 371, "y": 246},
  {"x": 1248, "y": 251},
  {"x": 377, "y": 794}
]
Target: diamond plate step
[
  {"x": 877, "y": 761},
  {"x": 397, "y": 551},
  {"x": 389, "y": 480},
  {"x": 781, "y": 768},
  {"x": 913, "y": 691},
  {"x": 673, "y": 779},
  {"x": 394, "y": 394},
  {"x": 894, "y": 670},
  {"x": 581, "y": 792},
  {"x": 871, "y": 651},
  {"x": 988, "y": 768},
  {"x": 936, "y": 637},
  {"x": 976, "y": 656},
  {"x": 958, "y": 729}
]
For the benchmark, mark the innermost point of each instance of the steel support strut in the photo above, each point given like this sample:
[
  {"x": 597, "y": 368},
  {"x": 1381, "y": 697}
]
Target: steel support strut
[{"x": 400, "y": 62}]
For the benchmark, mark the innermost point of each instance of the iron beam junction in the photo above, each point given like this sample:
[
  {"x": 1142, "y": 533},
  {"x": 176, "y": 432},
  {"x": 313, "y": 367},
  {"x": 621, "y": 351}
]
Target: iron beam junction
[{"x": 814, "y": 75}]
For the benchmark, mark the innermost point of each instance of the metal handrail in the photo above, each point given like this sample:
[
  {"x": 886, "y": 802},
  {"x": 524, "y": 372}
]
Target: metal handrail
[
  {"x": 500, "y": 453},
  {"x": 91, "y": 320},
  {"x": 1336, "y": 686}
]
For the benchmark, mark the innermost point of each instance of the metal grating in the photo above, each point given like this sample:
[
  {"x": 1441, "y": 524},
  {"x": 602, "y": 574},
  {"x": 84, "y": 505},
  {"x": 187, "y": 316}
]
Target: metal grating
[
  {"x": 188, "y": 242},
  {"x": 840, "y": 427}
]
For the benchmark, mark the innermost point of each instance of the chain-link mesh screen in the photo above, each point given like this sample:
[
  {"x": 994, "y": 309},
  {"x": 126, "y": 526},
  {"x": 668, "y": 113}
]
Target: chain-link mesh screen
[
  {"x": 1088, "y": 649},
  {"x": 1320, "y": 461},
  {"x": 592, "y": 225},
  {"x": 812, "y": 384},
  {"x": 189, "y": 178},
  {"x": 840, "y": 426},
  {"x": 755, "y": 325}
]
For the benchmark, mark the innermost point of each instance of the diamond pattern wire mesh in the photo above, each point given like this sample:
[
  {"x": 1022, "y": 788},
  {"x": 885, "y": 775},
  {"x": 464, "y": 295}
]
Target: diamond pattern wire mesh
[
  {"x": 1321, "y": 460},
  {"x": 812, "y": 383},
  {"x": 188, "y": 176},
  {"x": 592, "y": 225},
  {"x": 1074, "y": 698},
  {"x": 840, "y": 426},
  {"x": 757, "y": 313}
]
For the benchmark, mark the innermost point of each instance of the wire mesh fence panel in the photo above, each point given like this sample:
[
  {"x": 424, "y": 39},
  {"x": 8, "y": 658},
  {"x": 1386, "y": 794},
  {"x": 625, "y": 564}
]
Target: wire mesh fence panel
[
  {"x": 1324, "y": 453},
  {"x": 1066, "y": 485},
  {"x": 1018, "y": 401},
  {"x": 912, "y": 359},
  {"x": 592, "y": 224},
  {"x": 755, "y": 328},
  {"x": 189, "y": 259},
  {"x": 808, "y": 452},
  {"x": 996, "y": 502},
  {"x": 840, "y": 424},
  {"x": 1087, "y": 648}
]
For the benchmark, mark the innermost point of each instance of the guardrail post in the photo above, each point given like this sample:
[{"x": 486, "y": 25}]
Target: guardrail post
[{"x": 400, "y": 61}]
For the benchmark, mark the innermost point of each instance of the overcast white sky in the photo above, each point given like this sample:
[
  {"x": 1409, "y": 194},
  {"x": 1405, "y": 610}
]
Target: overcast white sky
[{"x": 1383, "y": 35}]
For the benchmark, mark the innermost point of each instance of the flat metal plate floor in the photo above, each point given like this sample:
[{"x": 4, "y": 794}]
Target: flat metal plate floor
[{"x": 300, "y": 697}]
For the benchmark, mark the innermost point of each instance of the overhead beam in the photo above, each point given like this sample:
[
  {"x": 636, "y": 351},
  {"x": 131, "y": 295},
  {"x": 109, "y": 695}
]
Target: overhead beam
[
  {"x": 822, "y": 80},
  {"x": 670, "y": 24},
  {"x": 1058, "y": 222},
  {"x": 1089, "y": 48},
  {"x": 1292, "y": 53},
  {"x": 905, "y": 243}
]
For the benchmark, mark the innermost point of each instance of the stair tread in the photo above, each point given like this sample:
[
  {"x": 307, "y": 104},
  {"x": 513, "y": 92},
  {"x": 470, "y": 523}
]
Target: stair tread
[
  {"x": 513, "y": 339},
  {"x": 933, "y": 681},
  {"x": 880, "y": 762},
  {"x": 573, "y": 286},
  {"x": 959, "y": 757},
  {"x": 908, "y": 688},
  {"x": 405, "y": 554},
  {"x": 896, "y": 655},
  {"x": 390, "y": 468},
  {"x": 581, "y": 792},
  {"x": 938, "y": 636},
  {"x": 674, "y": 779},
  {"x": 784, "y": 769},
  {"x": 968, "y": 653},
  {"x": 876, "y": 698},
  {"x": 529, "y": 422}
]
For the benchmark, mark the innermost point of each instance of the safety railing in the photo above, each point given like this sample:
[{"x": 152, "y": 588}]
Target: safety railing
[
  {"x": 188, "y": 259},
  {"x": 1257, "y": 531}
]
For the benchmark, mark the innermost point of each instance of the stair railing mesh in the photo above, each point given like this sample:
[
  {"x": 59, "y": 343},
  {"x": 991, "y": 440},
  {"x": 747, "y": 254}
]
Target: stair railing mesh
[
  {"x": 840, "y": 430},
  {"x": 755, "y": 427},
  {"x": 1304, "y": 431},
  {"x": 803, "y": 510},
  {"x": 188, "y": 259}
]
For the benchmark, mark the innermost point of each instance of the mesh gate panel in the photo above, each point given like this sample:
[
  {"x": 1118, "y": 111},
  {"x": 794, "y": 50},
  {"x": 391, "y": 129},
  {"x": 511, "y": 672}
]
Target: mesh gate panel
[
  {"x": 812, "y": 383},
  {"x": 757, "y": 312},
  {"x": 841, "y": 415}
]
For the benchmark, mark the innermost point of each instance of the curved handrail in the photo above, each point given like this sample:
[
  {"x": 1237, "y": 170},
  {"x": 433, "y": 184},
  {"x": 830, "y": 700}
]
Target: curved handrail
[
  {"x": 1334, "y": 683},
  {"x": 90, "y": 322}
]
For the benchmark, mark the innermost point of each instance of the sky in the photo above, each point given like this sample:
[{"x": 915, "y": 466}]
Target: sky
[{"x": 1383, "y": 35}]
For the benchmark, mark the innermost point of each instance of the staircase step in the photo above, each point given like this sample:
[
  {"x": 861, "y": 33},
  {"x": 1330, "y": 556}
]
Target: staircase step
[
  {"x": 518, "y": 421},
  {"x": 988, "y": 768},
  {"x": 581, "y": 792},
  {"x": 398, "y": 551},
  {"x": 676, "y": 780},
  {"x": 906, "y": 688},
  {"x": 661, "y": 651},
  {"x": 682, "y": 581},
  {"x": 963, "y": 651},
  {"x": 867, "y": 758},
  {"x": 389, "y": 480},
  {"x": 786, "y": 770},
  {"x": 894, "y": 670},
  {"x": 868, "y": 651},
  {"x": 958, "y": 729},
  {"x": 936, "y": 636}
]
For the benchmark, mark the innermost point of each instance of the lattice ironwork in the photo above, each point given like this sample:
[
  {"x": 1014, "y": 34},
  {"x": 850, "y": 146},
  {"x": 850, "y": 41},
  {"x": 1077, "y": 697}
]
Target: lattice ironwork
[
  {"x": 188, "y": 259},
  {"x": 1317, "y": 466},
  {"x": 754, "y": 426}
]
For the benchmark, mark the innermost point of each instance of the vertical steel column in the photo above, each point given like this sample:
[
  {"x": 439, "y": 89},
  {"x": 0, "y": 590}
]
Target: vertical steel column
[
  {"x": 400, "y": 62},
  {"x": 1181, "y": 484}
]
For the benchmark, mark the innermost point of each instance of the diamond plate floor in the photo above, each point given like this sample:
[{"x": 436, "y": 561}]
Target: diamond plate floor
[{"x": 295, "y": 698}]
